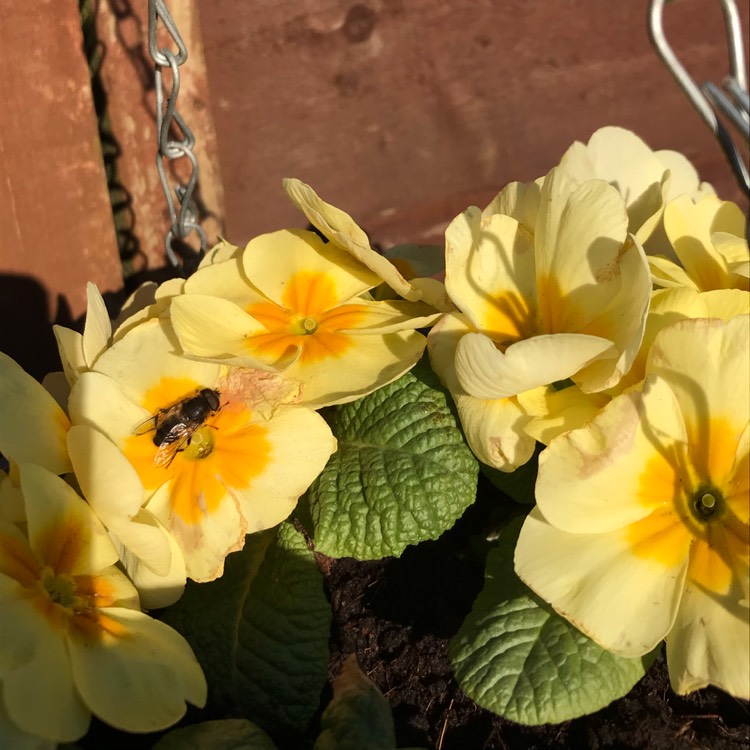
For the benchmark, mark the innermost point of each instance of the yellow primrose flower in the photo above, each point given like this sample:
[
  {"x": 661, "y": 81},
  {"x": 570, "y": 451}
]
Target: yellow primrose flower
[
  {"x": 708, "y": 238},
  {"x": 72, "y": 640},
  {"x": 219, "y": 452},
  {"x": 33, "y": 429},
  {"x": 642, "y": 528},
  {"x": 151, "y": 557},
  {"x": 563, "y": 297},
  {"x": 291, "y": 301},
  {"x": 646, "y": 179}
]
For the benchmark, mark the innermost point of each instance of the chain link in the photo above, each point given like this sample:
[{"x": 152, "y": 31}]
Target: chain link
[{"x": 182, "y": 211}]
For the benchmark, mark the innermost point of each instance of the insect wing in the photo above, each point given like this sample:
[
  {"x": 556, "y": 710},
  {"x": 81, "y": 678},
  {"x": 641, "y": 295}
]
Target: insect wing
[
  {"x": 148, "y": 425},
  {"x": 175, "y": 441}
]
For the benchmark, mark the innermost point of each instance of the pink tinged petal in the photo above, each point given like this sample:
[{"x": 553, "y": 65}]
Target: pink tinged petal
[
  {"x": 341, "y": 229},
  {"x": 216, "y": 329},
  {"x": 495, "y": 432},
  {"x": 139, "y": 675},
  {"x": 624, "y": 602},
  {"x": 70, "y": 348},
  {"x": 369, "y": 361},
  {"x": 617, "y": 469},
  {"x": 300, "y": 444},
  {"x": 97, "y": 330},
  {"x": 33, "y": 426},
  {"x": 13, "y": 737},
  {"x": 63, "y": 531},
  {"x": 207, "y": 541},
  {"x": 717, "y": 389},
  {"x": 39, "y": 693},
  {"x": 486, "y": 372},
  {"x": 98, "y": 401},
  {"x": 709, "y": 644},
  {"x": 490, "y": 274},
  {"x": 270, "y": 261}
]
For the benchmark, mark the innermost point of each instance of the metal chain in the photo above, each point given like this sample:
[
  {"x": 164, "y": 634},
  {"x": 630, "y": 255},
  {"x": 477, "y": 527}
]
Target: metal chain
[{"x": 183, "y": 219}]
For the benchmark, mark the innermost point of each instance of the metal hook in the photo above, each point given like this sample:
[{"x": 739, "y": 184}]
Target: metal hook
[{"x": 709, "y": 98}]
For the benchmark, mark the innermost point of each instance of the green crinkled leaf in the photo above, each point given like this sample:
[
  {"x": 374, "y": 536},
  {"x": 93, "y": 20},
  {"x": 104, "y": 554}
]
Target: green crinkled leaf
[
  {"x": 402, "y": 472},
  {"x": 223, "y": 734},
  {"x": 516, "y": 657},
  {"x": 261, "y": 632}
]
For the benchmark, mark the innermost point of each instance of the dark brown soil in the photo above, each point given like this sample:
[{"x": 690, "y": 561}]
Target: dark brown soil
[{"x": 397, "y": 616}]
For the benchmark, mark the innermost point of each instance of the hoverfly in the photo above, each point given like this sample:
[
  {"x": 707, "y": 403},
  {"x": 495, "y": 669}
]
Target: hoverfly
[{"x": 175, "y": 426}]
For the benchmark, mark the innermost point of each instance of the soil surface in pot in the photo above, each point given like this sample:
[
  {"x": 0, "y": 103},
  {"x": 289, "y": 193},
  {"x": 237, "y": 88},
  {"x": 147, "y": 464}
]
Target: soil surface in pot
[{"x": 398, "y": 615}]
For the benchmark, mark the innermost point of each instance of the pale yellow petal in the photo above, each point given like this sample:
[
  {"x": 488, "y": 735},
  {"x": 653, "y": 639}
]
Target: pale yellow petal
[
  {"x": 139, "y": 677},
  {"x": 519, "y": 200},
  {"x": 300, "y": 444},
  {"x": 70, "y": 348},
  {"x": 667, "y": 273},
  {"x": 683, "y": 176},
  {"x": 442, "y": 341},
  {"x": 227, "y": 280},
  {"x": 710, "y": 644},
  {"x": 33, "y": 426},
  {"x": 210, "y": 535},
  {"x": 97, "y": 330},
  {"x": 714, "y": 390},
  {"x": 625, "y": 603},
  {"x": 494, "y": 430},
  {"x": 221, "y": 251},
  {"x": 39, "y": 694},
  {"x": 109, "y": 483},
  {"x": 369, "y": 362},
  {"x": 98, "y": 401},
  {"x": 341, "y": 230},
  {"x": 214, "y": 328},
  {"x": 616, "y": 469},
  {"x": 490, "y": 274},
  {"x": 156, "y": 587},
  {"x": 275, "y": 263},
  {"x": 388, "y": 316},
  {"x": 486, "y": 372},
  {"x": 148, "y": 355},
  {"x": 552, "y": 412},
  {"x": 13, "y": 737},
  {"x": 581, "y": 233},
  {"x": 63, "y": 531}
]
